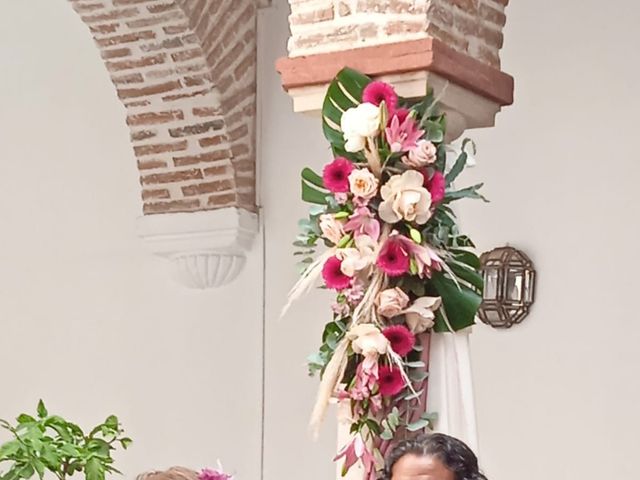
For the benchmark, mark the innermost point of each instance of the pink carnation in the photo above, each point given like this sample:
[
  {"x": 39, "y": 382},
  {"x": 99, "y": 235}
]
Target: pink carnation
[
  {"x": 390, "y": 381},
  {"x": 401, "y": 339},
  {"x": 394, "y": 258},
  {"x": 335, "y": 175},
  {"x": 333, "y": 276},
  {"x": 378, "y": 92},
  {"x": 436, "y": 186}
]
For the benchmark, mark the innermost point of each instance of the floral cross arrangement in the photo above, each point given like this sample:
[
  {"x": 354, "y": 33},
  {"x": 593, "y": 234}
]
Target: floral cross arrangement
[{"x": 395, "y": 258}]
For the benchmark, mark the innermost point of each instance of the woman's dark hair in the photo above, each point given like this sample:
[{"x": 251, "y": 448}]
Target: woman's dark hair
[{"x": 453, "y": 453}]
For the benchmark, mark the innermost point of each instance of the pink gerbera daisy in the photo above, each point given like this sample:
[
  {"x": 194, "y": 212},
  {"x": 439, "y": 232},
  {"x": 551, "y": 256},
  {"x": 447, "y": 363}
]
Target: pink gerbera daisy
[
  {"x": 335, "y": 175},
  {"x": 333, "y": 276},
  {"x": 436, "y": 185},
  {"x": 393, "y": 259},
  {"x": 401, "y": 339},
  {"x": 390, "y": 381},
  {"x": 402, "y": 114},
  {"x": 378, "y": 92}
]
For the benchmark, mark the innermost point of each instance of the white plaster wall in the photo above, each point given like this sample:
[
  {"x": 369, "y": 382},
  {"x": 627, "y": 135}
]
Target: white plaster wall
[
  {"x": 288, "y": 142},
  {"x": 89, "y": 319},
  {"x": 557, "y": 397}
]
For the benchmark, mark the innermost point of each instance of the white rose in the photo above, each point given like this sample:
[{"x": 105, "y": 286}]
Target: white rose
[
  {"x": 424, "y": 153},
  {"x": 391, "y": 302},
  {"x": 332, "y": 229},
  {"x": 363, "y": 183},
  {"x": 359, "y": 122},
  {"x": 420, "y": 316},
  {"x": 404, "y": 197},
  {"x": 354, "y": 144},
  {"x": 368, "y": 340}
]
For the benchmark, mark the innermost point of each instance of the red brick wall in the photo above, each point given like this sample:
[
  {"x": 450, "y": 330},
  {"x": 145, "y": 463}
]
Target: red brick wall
[
  {"x": 185, "y": 72},
  {"x": 473, "y": 27}
]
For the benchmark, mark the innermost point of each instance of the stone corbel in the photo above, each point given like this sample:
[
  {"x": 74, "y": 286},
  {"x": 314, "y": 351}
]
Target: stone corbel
[
  {"x": 205, "y": 249},
  {"x": 470, "y": 92}
]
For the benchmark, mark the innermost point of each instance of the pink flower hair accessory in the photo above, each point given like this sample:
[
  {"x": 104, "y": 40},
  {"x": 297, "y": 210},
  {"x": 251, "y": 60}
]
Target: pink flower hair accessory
[{"x": 210, "y": 474}]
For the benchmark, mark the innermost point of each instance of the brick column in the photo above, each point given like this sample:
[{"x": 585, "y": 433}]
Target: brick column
[
  {"x": 453, "y": 45},
  {"x": 185, "y": 71}
]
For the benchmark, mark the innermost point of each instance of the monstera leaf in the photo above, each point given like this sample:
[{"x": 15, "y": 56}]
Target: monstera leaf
[
  {"x": 459, "y": 301},
  {"x": 344, "y": 92},
  {"x": 313, "y": 190}
]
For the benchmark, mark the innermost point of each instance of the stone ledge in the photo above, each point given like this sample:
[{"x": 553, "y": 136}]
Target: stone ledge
[
  {"x": 428, "y": 55},
  {"x": 206, "y": 249}
]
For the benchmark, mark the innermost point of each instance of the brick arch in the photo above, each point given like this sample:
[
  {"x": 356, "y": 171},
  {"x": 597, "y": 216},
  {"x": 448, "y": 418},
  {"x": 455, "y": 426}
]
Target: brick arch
[{"x": 185, "y": 73}]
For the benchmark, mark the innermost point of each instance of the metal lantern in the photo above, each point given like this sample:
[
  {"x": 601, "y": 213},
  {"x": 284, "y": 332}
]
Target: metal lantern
[{"x": 509, "y": 284}]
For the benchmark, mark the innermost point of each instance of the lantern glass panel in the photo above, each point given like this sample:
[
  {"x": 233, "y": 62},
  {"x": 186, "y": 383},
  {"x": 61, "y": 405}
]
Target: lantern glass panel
[
  {"x": 528, "y": 286},
  {"x": 492, "y": 317},
  {"x": 514, "y": 282},
  {"x": 491, "y": 280}
]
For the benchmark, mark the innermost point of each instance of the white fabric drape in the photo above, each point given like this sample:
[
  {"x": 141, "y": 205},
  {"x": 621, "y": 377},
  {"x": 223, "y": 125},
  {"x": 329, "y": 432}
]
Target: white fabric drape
[{"x": 451, "y": 387}]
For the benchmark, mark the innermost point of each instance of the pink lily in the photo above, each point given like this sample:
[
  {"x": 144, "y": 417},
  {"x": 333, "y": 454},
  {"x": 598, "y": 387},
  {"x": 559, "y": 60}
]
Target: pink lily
[
  {"x": 354, "y": 451},
  {"x": 366, "y": 379},
  {"x": 363, "y": 222},
  {"x": 403, "y": 136},
  {"x": 425, "y": 257}
]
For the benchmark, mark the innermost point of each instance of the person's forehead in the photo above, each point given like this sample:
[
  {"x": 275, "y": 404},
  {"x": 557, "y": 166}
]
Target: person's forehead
[{"x": 420, "y": 467}]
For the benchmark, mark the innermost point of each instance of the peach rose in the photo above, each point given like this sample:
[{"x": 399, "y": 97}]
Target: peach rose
[
  {"x": 404, "y": 197},
  {"x": 423, "y": 154},
  {"x": 363, "y": 183},
  {"x": 391, "y": 302},
  {"x": 367, "y": 339},
  {"x": 420, "y": 316}
]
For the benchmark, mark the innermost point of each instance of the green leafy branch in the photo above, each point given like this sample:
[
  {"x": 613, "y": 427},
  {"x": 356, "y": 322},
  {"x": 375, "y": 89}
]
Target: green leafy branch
[
  {"x": 333, "y": 333},
  {"x": 51, "y": 443}
]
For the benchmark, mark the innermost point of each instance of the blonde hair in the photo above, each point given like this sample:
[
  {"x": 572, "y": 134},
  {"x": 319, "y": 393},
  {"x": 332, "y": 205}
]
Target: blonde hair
[{"x": 174, "y": 473}]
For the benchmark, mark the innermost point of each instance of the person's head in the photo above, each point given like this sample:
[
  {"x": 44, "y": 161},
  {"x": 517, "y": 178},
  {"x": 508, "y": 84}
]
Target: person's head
[
  {"x": 174, "y": 473},
  {"x": 432, "y": 457}
]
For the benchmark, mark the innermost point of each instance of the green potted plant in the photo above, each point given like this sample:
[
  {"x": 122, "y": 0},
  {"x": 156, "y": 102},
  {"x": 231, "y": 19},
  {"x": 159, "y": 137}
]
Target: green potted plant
[{"x": 51, "y": 443}]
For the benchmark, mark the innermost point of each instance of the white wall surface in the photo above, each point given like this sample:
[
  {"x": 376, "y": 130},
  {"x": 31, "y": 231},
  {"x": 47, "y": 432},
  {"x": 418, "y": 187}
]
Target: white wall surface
[
  {"x": 288, "y": 142},
  {"x": 557, "y": 397},
  {"x": 89, "y": 319}
]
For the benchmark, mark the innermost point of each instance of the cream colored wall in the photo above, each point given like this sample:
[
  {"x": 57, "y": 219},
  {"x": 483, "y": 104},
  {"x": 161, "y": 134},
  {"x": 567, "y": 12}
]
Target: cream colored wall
[
  {"x": 288, "y": 142},
  {"x": 557, "y": 397},
  {"x": 89, "y": 319},
  {"x": 91, "y": 322}
]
